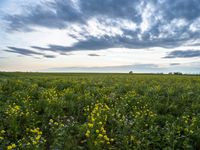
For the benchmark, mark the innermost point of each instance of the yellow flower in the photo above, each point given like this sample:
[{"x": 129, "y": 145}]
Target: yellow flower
[
  {"x": 38, "y": 137},
  {"x": 106, "y": 106},
  {"x": 97, "y": 131},
  {"x": 56, "y": 123},
  {"x": 51, "y": 120},
  {"x": 100, "y": 135},
  {"x": 111, "y": 139},
  {"x": 93, "y": 119},
  {"x": 40, "y": 132},
  {"x": 34, "y": 142},
  {"x": 90, "y": 125},
  {"x": 87, "y": 134},
  {"x": 13, "y": 146},
  {"x": 17, "y": 107},
  {"x": 3, "y": 131},
  {"x": 9, "y": 147},
  {"x": 106, "y": 138}
]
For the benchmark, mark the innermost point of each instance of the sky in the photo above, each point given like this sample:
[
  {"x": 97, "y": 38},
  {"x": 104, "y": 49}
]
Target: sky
[{"x": 145, "y": 36}]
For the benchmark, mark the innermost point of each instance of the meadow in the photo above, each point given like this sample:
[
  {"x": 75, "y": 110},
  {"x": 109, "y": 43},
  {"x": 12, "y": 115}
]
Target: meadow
[{"x": 99, "y": 111}]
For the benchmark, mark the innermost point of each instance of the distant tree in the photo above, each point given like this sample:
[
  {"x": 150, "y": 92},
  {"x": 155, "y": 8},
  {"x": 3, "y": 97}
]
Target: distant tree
[
  {"x": 130, "y": 72},
  {"x": 177, "y": 73}
]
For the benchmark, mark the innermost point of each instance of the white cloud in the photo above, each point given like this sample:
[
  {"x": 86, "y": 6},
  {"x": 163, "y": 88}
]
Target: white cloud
[{"x": 147, "y": 11}]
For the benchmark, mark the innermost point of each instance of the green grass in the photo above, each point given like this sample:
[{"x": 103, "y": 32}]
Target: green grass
[{"x": 99, "y": 111}]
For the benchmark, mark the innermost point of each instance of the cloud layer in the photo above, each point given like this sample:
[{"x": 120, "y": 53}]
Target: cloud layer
[
  {"x": 153, "y": 31},
  {"x": 183, "y": 54},
  {"x": 137, "y": 24},
  {"x": 27, "y": 52}
]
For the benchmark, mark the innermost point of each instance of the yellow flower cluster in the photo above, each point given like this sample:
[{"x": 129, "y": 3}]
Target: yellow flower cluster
[
  {"x": 142, "y": 111},
  {"x": 96, "y": 124},
  {"x": 13, "y": 110},
  {"x": 37, "y": 136},
  {"x": 52, "y": 122},
  {"x": 186, "y": 119},
  {"x": 2, "y": 134},
  {"x": 50, "y": 95},
  {"x": 189, "y": 123},
  {"x": 32, "y": 138},
  {"x": 12, "y": 146}
]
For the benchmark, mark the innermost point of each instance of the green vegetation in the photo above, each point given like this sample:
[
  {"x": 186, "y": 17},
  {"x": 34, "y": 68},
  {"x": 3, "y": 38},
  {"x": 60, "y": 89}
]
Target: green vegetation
[{"x": 99, "y": 111}]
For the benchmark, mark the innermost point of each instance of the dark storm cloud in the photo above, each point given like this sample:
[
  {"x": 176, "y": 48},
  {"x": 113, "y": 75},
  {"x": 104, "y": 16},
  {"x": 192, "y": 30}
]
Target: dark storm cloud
[
  {"x": 22, "y": 51},
  {"x": 53, "y": 15},
  {"x": 106, "y": 42},
  {"x": 89, "y": 44},
  {"x": 188, "y": 9},
  {"x": 59, "y": 13},
  {"x": 26, "y": 52},
  {"x": 183, "y": 54},
  {"x": 161, "y": 32},
  {"x": 174, "y": 64},
  {"x": 93, "y": 55},
  {"x": 49, "y": 56}
]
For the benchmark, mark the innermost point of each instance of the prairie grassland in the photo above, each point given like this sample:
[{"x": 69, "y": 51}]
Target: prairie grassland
[{"x": 99, "y": 111}]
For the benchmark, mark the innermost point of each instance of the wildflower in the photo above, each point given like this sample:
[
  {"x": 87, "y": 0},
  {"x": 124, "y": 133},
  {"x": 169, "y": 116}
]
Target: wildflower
[
  {"x": 51, "y": 120},
  {"x": 56, "y": 123},
  {"x": 40, "y": 132},
  {"x": 13, "y": 146},
  {"x": 100, "y": 135},
  {"x": 100, "y": 123},
  {"x": 87, "y": 134},
  {"x": 3, "y": 131},
  {"x": 93, "y": 119},
  {"x": 97, "y": 131},
  {"x": 34, "y": 142},
  {"x": 9, "y": 147},
  {"x": 38, "y": 137},
  {"x": 106, "y": 106},
  {"x": 90, "y": 125},
  {"x": 191, "y": 132},
  {"x": 106, "y": 138}
]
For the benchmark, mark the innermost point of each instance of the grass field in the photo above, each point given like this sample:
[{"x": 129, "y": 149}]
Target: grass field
[{"x": 99, "y": 111}]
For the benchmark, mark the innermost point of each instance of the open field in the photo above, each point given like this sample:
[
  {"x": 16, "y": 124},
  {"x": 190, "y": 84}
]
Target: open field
[{"x": 99, "y": 111}]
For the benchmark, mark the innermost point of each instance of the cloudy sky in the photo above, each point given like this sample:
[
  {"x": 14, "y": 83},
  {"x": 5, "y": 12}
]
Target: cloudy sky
[{"x": 100, "y": 35}]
